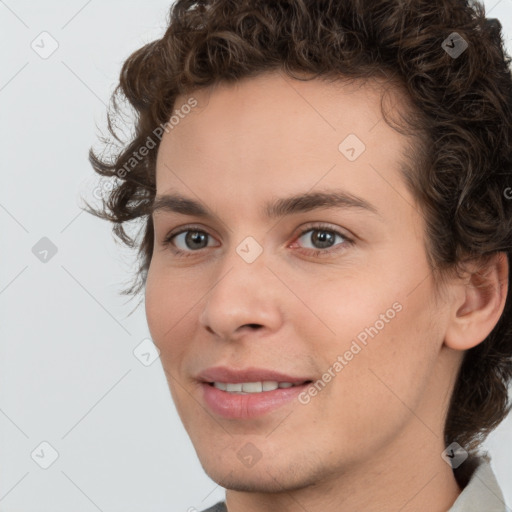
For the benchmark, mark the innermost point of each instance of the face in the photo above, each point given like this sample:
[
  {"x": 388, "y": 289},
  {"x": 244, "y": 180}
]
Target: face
[{"x": 335, "y": 294}]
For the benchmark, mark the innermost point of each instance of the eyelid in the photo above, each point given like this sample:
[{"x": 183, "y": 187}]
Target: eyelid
[
  {"x": 311, "y": 226},
  {"x": 324, "y": 226},
  {"x": 334, "y": 250},
  {"x": 183, "y": 229},
  {"x": 187, "y": 227}
]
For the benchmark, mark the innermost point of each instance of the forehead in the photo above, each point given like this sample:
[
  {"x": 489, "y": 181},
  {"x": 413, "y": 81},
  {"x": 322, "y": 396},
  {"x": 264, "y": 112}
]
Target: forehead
[
  {"x": 272, "y": 101},
  {"x": 272, "y": 133},
  {"x": 329, "y": 99}
]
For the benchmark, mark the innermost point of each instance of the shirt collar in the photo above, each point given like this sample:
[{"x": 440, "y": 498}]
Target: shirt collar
[{"x": 482, "y": 491}]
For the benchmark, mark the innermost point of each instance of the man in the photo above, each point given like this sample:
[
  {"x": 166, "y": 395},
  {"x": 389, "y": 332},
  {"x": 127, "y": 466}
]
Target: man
[{"x": 326, "y": 193}]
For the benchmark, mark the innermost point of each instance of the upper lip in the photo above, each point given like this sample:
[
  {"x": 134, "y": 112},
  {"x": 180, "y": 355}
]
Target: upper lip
[{"x": 252, "y": 374}]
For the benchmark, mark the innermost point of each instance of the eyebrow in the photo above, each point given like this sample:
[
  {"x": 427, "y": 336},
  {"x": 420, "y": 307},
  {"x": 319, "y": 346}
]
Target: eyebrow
[{"x": 276, "y": 208}]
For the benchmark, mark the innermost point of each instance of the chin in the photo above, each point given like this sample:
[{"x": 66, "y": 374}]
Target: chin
[
  {"x": 263, "y": 477},
  {"x": 256, "y": 482}
]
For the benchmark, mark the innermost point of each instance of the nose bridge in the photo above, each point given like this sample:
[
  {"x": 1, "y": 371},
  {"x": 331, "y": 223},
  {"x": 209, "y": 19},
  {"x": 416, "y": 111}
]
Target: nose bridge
[
  {"x": 243, "y": 267},
  {"x": 244, "y": 293}
]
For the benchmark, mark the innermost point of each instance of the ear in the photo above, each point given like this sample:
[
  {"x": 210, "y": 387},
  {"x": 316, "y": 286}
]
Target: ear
[{"x": 478, "y": 303}]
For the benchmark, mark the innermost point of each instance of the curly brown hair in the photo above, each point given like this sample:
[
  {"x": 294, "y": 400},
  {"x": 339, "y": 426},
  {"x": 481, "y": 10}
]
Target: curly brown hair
[{"x": 461, "y": 169}]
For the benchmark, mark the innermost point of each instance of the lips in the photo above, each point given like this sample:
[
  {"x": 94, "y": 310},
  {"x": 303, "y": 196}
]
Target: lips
[
  {"x": 223, "y": 391},
  {"x": 235, "y": 406},
  {"x": 250, "y": 374}
]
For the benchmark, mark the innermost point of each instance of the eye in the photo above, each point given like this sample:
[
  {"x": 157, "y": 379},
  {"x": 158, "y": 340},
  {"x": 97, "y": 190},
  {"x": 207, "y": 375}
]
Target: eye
[
  {"x": 188, "y": 240},
  {"x": 322, "y": 239}
]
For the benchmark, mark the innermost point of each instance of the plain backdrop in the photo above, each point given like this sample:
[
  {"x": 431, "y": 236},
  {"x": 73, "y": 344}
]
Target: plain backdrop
[{"x": 73, "y": 394}]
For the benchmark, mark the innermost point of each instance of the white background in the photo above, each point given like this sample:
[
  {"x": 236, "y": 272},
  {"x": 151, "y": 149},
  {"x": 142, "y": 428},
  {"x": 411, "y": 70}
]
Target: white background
[{"x": 68, "y": 375}]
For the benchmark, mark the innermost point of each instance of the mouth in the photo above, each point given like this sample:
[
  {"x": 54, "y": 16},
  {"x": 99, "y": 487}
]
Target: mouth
[
  {"x": 247, "y": 400},
  {"x": 247, "y": 388},
  {"x": 250, "y": 376},
  {"x": 234, "y": 393}
]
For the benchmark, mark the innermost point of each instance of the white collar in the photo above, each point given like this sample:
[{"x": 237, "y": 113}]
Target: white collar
[{"x": 482, "y": 492}]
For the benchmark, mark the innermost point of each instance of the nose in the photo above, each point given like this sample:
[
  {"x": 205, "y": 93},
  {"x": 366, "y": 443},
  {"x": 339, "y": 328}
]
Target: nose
[{"x": 245, "y": 298}]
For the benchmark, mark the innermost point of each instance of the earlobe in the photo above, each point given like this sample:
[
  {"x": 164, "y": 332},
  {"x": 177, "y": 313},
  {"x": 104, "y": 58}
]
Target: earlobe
[{"x": 484, "y": 295}]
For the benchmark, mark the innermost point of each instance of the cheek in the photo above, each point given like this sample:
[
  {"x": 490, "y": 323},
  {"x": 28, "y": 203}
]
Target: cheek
[
  {"x": 378, "y": 327},
  {"x": 398, "y": 359},
  {"x": 156, "y": 304},
  {"x": 173, "y": 302},
  {"x": 384, "y": 376},
  {"x": 167, "y": 302}
]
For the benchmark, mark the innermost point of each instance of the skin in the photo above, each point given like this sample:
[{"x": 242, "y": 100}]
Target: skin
[{"x": 372, "y": 438}]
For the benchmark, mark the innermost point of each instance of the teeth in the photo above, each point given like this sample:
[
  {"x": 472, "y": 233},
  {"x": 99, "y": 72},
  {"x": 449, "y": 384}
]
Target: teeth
[
  {"x": 234, "y": 387},
  {"x": 252, "y": 387},
  {"x": 269, "y": 385}
]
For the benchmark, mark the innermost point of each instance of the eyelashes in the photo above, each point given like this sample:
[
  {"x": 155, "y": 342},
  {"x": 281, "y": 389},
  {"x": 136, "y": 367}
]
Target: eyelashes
[{"x": 197, "y": 235}]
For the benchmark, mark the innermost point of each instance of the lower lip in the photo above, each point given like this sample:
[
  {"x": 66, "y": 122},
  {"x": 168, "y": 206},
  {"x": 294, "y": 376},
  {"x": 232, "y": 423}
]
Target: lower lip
[{"x": 237, "y": 406}]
